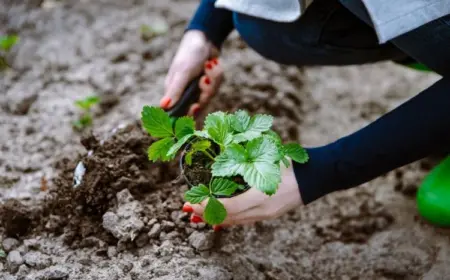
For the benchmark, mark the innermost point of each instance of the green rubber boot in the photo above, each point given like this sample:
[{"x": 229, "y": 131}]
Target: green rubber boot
[
  {"x": 433, "y": 196},
  {"x": 419, "y": 67}
]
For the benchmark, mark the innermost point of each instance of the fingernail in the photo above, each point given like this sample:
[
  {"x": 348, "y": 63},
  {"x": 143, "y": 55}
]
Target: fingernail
[
  {"x": 187, "y": 209},
  {"x": 217, "y": 228},
  {"x": 196, "y": 111},
  {"x": 208, "y": 66},
  {"x": 196, "y": 219},
  {"x": 207, "y": 80},
  {"x": 215, "y": 61},
  {"x": 165, "y": 102}
]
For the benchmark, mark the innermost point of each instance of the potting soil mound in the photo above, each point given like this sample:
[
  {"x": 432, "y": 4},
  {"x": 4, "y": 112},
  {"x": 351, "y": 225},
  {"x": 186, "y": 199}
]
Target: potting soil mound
[{"x": 122, "y": 218}]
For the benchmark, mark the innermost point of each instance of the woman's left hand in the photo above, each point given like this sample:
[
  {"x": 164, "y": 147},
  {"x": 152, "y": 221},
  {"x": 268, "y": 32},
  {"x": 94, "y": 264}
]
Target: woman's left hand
[{"x": 253, "y": 205}]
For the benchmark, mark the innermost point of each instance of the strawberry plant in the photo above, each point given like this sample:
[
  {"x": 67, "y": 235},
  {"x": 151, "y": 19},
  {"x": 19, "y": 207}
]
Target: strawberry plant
[
  {"x": 85, "y": 118},
  {"x": 233, "y": 151}
]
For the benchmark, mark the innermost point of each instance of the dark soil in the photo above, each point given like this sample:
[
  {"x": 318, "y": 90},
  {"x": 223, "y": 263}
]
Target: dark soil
[
  {"x": 16, "y": 218},
  {"x": 199, "y": 172}
]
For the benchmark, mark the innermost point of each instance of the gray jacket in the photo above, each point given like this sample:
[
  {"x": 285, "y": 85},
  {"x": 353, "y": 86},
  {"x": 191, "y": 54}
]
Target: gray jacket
[{"x": 390, "y": 18}]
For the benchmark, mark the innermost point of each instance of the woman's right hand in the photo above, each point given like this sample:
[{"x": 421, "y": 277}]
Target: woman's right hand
[{"x": 194, "y": 53}]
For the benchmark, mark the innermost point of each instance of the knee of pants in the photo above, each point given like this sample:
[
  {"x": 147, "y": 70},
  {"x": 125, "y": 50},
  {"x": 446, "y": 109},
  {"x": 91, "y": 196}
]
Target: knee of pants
[{"x": 269, "y": 39}]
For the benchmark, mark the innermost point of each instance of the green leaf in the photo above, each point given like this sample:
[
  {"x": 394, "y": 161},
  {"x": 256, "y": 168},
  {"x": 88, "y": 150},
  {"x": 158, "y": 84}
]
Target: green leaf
[
  {"x": 257, "y": 164},
  {"x": 159, "y": 149},
  {"x": 215, "y": 212},
  {"x": 88, "y": 102},
  {"x": 263, "y": 176},
  {"x": 230, "y": 162},
  {"x": 262, "y": 149},
  {"x": 188, "y": 158},
  {"x": 157, "y": 122},
  {"x": 286, "y": 162},
  {"x": 218, "y": 127},
  {"x": 184, "y": 126},
  {"x": 240, "y": 121},
  {"x": 296, "y": 152},
  {"x": 197, "y": 194},
  {"x": 2, "y": 254},
  {"x": 201, "y": 145},
  {"x": 84, "y": 121},
  {"x": 202, "y": 134},
  {"x": 258, "y": 124},
  {"x": 222, "y": 186},
  {"x": 274, "y": 137},
  {"x": 7, "y": 42},
  {"x": 174, "y": 149}
]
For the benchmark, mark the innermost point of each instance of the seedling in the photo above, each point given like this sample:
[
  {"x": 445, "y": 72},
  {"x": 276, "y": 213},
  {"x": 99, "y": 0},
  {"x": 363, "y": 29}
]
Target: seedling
[
  {"x": 6, "y": 44},
  {"x": 148, "y": 32},
  {"x": 2, "y": 254},
  {"x": 85, "y": 118},
  {"x": 238, "y": 151}
]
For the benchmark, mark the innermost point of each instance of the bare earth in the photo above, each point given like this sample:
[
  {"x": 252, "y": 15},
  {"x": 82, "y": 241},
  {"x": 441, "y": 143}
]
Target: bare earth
[{"x": 124, "y": 221}]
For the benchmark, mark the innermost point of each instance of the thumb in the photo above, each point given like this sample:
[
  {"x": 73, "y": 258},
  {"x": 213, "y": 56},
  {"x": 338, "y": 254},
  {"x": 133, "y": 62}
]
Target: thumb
[{"x": 175, "y": 85}]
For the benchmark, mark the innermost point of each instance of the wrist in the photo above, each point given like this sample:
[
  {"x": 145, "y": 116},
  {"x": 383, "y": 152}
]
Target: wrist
[{"x": 198, "y": 38}]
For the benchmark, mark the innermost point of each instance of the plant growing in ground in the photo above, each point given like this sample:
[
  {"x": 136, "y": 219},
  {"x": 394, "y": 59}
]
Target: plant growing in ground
[
  {"x": 7, "y": 42},
  {"x": 2, "y": 254},
  {"x": 85, "y": 118},
  {"x": 157, "y": 28},
  {"x": 241, "y": 151}
]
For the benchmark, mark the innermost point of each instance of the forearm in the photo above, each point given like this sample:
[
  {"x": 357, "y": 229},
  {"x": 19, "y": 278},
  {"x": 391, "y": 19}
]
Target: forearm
[
  {"x": 414, "y": 130},
  {"x": 216, "y": 23}
]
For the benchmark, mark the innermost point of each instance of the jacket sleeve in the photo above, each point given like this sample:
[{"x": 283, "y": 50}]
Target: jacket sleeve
[
  {"x": 216, "y": 23},
  {"x": 416, "y": 129}
]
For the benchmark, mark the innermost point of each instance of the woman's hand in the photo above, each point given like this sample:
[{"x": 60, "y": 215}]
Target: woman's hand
[
  {"x": 193, "y": 54},
  {"x": 254, "y": 205}
]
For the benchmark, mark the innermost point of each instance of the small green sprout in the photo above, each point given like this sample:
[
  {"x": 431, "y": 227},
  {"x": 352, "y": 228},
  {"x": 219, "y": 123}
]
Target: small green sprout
[
  {"x": 85, "y": 119},
  {"x": 246, "y": 146},
  {"x": 8, "y": 42},
  {"x": 157, "y": 28},
  {"x": 2, "y": 254}
]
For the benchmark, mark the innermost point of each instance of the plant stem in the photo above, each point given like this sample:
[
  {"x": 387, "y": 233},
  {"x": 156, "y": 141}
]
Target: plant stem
[
  {"x": 209, "y": 155},
  {"x": 212, "y": 152}
]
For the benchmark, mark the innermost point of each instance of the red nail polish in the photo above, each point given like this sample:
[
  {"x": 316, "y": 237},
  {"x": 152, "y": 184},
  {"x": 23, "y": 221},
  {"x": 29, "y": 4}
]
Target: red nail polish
[
  {"x": 217, "y": 228},
  {"x": 187, "y": 209},
  {"x": 215, "y": 61},
  {"x": 165, "y": 102},
  {"x": 196, "y": 219},
  {"x": 208, "y": 66},
  {"x": 196, "y": 111},
  {"x": 207, "y": 81}
]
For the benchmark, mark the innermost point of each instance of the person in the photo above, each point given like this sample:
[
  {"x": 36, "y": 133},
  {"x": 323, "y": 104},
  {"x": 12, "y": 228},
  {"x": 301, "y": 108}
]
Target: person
[{"x": 326, "y": 32}]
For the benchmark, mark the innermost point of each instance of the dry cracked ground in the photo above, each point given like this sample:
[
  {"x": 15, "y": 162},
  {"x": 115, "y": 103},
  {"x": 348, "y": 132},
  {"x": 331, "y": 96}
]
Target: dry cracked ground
[{"x": 124, "y": 221}]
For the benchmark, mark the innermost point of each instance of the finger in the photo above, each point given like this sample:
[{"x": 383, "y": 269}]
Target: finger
[
  {"x": 207, "y": 90},
  {"x": 175, "y": 88},
  {"x": 205, "y": 99},
  {"x": 194, "y": 110},
  {"x": 206, "y": 84},
  {"x": 249, "y": 216},
  {"x": 197, "y": 209},
  {"x": 214, "y": 71},
  {"x": 234, "y": 205}
]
